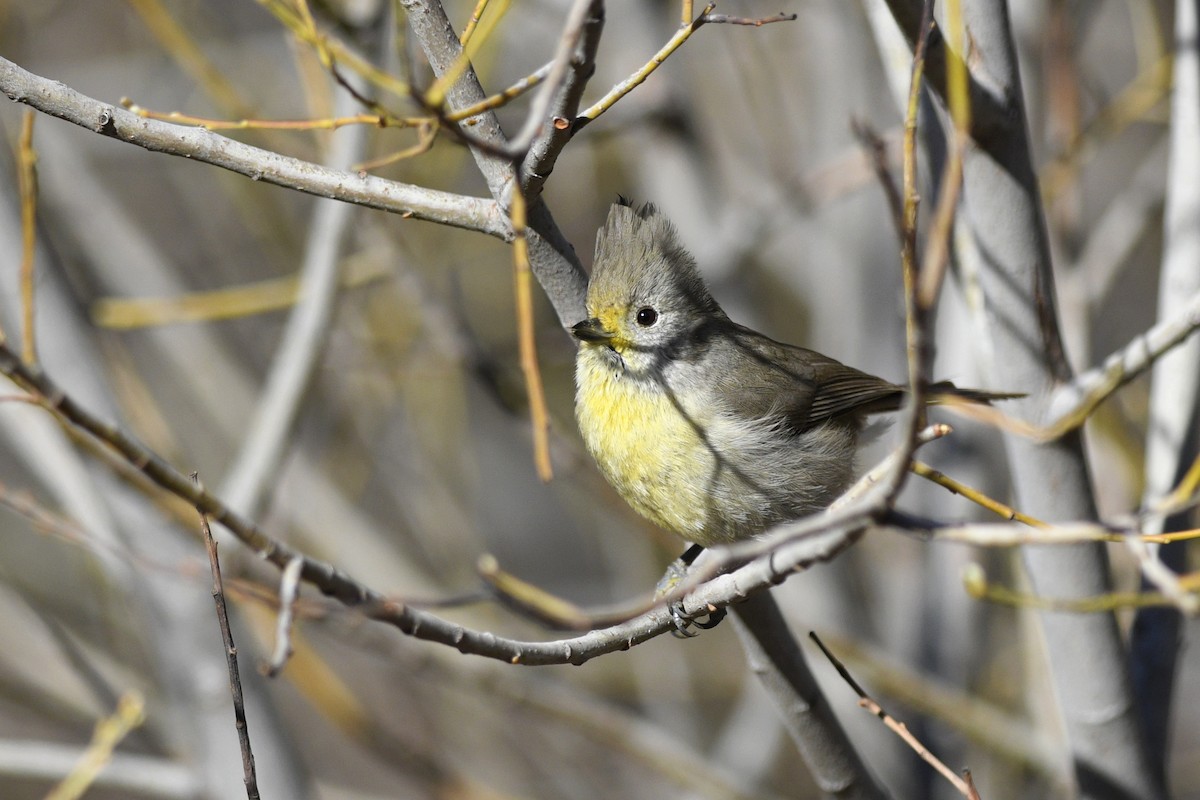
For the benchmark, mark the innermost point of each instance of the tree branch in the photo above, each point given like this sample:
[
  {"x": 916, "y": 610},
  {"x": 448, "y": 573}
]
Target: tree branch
[{"x": 57, "y": 100}]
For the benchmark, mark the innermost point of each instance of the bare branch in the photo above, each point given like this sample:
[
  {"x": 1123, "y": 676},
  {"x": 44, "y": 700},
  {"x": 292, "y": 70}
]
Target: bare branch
[
  {"x": 57, "y": 100},
  {"x": 249, "y": 776}
]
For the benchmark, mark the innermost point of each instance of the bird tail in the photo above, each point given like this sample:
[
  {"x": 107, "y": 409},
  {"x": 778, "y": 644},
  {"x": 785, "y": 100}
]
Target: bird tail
[{"x": 946, "y": 392}]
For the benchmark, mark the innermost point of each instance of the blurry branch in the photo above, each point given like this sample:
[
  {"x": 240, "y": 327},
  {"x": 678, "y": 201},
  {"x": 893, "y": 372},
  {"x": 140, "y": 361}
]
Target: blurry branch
[
  {"x": 266, "y": 440},
  {"x": 937, "y": 251},
  {"x": 289, "y": 588},
  {"x": 248, "y": 299},
  {"x": 899, "y": 728},
  {"x": 989, "y": 115},
  {"x": 976, "y": 583},
  {"x": 1003, "y": 534},
  {"x": 1173, "y": 429},
  {"x": 129, "y": 714},
  {"x": 298, "y": 19},
  {"x": 1148, "y": 88},
  {"x": 753, "y": 22},
  {"x": 539, "y": 415},
  {"x": 1128, "y": 217},
  {"x": 179, "y": 45},
  {"x": 124, "y": 774},
  {"x": 249, "y": 776},
  {"x": 1073, "y": 403},
  {"x": 57, "y": 100},
  {"x": 28, "y": 186},
  {"x": 775, "y": 656},
  {"x": 50, "y": 523}
]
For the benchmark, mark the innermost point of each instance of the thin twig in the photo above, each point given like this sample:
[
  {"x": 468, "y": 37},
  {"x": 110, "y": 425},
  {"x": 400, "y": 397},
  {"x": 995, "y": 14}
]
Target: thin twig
[
  {"x": 897, "y": 727},
  {"x": 974, "y": 495},
  {"x": 298, "y": 19},
  {"x": 877, "y": 157},
  {"x": 476, "y": 15},
  {"x": 977, "y": 586},
  {"x": 129, "y": 714},
  {"x": 499, "y": 99},
  {"x": 937, "y": 253},
  {"x": 642, "y": 73},
  {"x": 235, "y": 682},
  {"x": 523, "y": 282},
  {"x": 324, "y": 124},
  {"x": 435, "y": 95},
  {"x": 755, "y": 22},
  {"x": 27, "y": 180}
]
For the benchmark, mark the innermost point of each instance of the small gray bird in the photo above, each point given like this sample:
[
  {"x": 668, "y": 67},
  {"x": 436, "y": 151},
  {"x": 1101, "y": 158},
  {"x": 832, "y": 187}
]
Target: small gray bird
[{"x": 707, "y": 428}]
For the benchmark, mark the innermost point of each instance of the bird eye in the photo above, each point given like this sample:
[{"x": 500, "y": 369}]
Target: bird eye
[{"x": 646, "y": 317}]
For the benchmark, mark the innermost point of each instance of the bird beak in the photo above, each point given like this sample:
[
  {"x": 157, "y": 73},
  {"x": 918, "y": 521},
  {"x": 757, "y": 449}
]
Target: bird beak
[{"x": 591, "y": 330}]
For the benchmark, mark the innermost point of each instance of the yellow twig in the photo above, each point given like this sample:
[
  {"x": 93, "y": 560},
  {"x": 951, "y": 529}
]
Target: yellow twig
[
  {"x": 476, "y": 15},
  {"x": 523, "y": 278},
  {"x": 1182, "y": 494},
  {"x": 27, "y": 180},
  {"x": 685, "y": 17},
  {"x": 638, "y": 77},
  {"x": 180, "y": 46},
  {"x": 329, "y": 123},
  {"x": 330, "y": 50},
  {"x": 530, "y": 600},
  {"x": 937, "y": 254},
  {"x": 495, "y": 101},
  {"x": 974, "y": 495},
  {"x": 908, "y": 233},
  {"x": 128, "y": 313},
  {"x": 426, "y": 135},
  {"x": 976, "y": 583},
  {"x": 1134, "y": 102},
  {"x": 110, "y": 731},
  {"x": 435, "y": 95}
]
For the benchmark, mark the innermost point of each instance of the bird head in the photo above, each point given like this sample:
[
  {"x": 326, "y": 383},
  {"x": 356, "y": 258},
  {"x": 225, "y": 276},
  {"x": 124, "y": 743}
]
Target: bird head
[{"x": 645, "y": 299}]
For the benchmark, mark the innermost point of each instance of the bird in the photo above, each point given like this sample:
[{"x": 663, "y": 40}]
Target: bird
[{"x": 709, "y": 429}]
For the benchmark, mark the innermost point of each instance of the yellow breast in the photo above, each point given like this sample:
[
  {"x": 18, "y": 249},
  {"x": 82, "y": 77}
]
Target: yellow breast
[{"x": 647, "y": 448}]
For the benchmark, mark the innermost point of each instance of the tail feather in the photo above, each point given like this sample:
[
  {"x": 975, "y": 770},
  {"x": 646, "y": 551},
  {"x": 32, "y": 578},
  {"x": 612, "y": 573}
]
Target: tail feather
[{"x": 947, "y": 392}]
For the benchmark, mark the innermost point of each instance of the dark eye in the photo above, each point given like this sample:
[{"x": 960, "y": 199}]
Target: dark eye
[{"x": 646, "y": 317}]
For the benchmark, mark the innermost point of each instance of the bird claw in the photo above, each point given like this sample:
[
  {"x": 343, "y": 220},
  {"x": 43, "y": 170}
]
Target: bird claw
[{"x": 683, "y": 621}]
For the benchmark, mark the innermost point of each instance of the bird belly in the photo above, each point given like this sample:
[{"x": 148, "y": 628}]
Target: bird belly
[
  {"x": 650, "y": 453},
  {"x": 692, "y": 466}
]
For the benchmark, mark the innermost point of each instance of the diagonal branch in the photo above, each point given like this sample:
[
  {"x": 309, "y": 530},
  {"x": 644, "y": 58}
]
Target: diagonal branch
[{"x": 57, "y": 100}]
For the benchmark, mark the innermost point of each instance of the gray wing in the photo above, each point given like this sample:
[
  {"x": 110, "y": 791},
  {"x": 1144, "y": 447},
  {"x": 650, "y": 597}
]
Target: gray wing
[{"x": 807, "y": 387}]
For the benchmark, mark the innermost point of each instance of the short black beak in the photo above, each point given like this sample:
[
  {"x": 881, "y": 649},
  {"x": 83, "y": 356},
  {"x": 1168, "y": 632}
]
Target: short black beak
[{"x": 590, "y": 330}]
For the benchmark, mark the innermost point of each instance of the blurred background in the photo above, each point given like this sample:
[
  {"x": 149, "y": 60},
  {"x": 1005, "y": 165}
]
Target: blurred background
[{"x": 164, "y": 289}]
